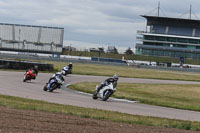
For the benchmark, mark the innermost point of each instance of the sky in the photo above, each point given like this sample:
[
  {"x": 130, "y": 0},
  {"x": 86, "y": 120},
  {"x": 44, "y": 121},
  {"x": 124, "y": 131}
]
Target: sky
[{"x": 94, "y": 23}]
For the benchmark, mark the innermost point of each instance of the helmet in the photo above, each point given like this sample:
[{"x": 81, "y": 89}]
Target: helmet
[
  {"x": 115, "y": 77},
  {"x": 33, "y": 71},
  {"x": 70, "y": 63}
]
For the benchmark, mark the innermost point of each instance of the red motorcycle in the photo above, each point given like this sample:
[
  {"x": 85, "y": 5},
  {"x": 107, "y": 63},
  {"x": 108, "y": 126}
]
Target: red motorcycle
[{"x": 30, "y": 74}]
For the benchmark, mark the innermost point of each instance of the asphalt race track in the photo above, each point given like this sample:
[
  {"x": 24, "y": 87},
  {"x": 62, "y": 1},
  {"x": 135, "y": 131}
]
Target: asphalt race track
[{"x": 12, "y": 84}]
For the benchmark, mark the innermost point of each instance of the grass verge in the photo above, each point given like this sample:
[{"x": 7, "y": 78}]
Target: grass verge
[
  {"x": 28, "y": 104},
  {"x": 167, "y": 95},
  {"x": 123, "y": 71}
]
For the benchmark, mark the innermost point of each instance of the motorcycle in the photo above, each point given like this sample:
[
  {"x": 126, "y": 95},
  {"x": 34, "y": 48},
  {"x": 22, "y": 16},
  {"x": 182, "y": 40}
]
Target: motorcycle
[
  {"x": 66, "y": 71},
  {"x": 53, "y": 84},
  {"x": 105, "y": 92},
  {"x": 29, "y": 75}
]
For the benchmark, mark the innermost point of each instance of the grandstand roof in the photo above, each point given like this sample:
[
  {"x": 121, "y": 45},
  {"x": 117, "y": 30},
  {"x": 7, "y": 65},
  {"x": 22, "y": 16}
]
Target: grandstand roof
[
  {"x": 156, "y": 20},
  {"x": 31, "y": 26}
]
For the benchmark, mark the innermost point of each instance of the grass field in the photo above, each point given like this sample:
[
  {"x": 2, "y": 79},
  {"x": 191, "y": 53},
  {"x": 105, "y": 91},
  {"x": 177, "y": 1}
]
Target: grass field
[
  {"x": 123, "y": 71},
  {"x": 131, "y": 57},
  {"x": 22, "y": 103},
  {"x": 168, "y": 95}
]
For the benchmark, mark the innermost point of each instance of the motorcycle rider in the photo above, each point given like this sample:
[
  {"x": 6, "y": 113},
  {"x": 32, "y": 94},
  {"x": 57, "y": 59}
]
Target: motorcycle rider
[
  {"x": 34, "y": 70},
  {"x": 113, "y": 80},
  {"x": 70, "y": 67},
  {"x": 67, "y": 69},
  {"x": 59, "y": 75}
]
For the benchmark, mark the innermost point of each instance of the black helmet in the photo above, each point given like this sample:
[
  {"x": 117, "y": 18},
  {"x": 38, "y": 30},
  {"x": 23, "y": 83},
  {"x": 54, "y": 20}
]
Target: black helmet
[{"x": 115, "y": 77}]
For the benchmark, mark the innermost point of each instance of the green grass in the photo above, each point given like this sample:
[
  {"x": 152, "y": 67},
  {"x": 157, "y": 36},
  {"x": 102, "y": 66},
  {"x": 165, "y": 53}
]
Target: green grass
[
  {"x": 131, "y": 57},
  {"x": 27, "y": 104},
  {"x": 168, "y": 95},
  {"x": 123, "y": 71}
]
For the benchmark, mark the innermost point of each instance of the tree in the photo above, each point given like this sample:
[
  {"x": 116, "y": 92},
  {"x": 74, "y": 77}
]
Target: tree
[
  {"x": 112, "y": 49},
  {"x": 129, "y": 51},
  {"x": 115, "y": 51},
  {"x": 101, "y": 50}
]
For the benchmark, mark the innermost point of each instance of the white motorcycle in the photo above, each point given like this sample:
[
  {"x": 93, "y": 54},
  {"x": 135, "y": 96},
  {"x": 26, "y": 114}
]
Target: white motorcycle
[
  {"x": 105, "y": 92},
  {"x": 66, "y": 70}
]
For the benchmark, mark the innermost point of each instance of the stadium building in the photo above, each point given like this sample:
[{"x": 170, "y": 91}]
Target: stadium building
[
  {"x": 29, "y": 38},
  {"x": 169, "y": 37}
]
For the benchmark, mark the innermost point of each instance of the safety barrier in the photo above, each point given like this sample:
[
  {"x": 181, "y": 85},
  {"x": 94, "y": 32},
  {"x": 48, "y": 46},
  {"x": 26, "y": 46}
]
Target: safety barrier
[
  {"x": 23, "y": 65},
  {"x": 107, "y": 60}
]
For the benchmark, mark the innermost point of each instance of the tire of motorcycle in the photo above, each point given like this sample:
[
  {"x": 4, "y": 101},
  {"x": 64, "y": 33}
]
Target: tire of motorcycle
[
  {"x": 28, "y": 77},
  {"x": 45, "y": 88},
  {"x": 53, "y": 87},
  {"x": 25, "y": 79},
  {"x": 94, "y": 96},
  {"x": 107, "y": 94}
]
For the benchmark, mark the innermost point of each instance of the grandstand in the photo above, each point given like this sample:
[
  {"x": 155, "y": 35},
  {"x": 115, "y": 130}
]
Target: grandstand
[
  {"x": 170, "y": 37},
  {"x": 29, "y": 38}
]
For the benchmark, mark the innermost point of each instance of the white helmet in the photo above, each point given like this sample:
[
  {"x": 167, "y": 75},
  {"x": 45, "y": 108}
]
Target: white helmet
[
  {"x": 115, "y": 77},
  {"x": 70, "y": 63}
]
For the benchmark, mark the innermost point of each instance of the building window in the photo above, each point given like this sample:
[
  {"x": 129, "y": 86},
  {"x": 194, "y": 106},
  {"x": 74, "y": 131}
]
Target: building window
[{"x": 171, "y": 39}]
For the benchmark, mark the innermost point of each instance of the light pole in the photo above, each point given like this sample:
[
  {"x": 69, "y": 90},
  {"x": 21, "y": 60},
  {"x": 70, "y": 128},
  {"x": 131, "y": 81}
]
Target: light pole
[{"x": 70, "y": 49}]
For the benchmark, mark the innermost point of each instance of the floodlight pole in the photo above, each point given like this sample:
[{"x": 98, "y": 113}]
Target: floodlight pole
[
  {"x": 190, "y": 11},
  {"x": 158, "y": 8},
  {"x": 99, "y": 54},
  {"x": 70, "y": 49}
]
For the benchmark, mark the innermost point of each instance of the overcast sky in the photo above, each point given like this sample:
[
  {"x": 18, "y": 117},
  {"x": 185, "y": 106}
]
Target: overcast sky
[{"x": 94, "y": 23}]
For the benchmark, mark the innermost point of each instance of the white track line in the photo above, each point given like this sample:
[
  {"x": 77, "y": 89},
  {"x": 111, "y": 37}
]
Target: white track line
[{"x": 115, "y": 99}]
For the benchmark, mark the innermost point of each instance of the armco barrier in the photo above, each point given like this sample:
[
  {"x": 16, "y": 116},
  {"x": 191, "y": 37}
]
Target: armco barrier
[
  {"x": 106, "y": 60},
  {"x": 168, "y": 68},
  {"x": 23, "y": 65},
  {"x": 61, "y": 59}
]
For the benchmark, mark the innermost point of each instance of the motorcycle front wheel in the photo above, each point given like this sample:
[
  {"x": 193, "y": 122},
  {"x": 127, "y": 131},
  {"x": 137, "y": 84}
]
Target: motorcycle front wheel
[
  {"x": 53, "y": 87},
  {"x": 107, "y": 94},
  {"x": 94, "y": 96},
  {"x": 45, "y": 88},
  {"x": 25, "y": 78}
]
